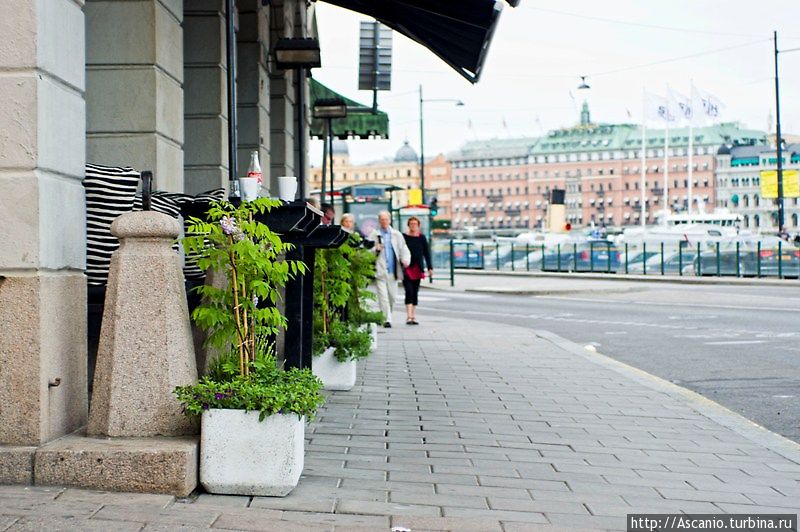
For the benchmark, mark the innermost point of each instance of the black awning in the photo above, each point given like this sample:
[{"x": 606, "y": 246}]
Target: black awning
[{"x": 458, "y": 31}]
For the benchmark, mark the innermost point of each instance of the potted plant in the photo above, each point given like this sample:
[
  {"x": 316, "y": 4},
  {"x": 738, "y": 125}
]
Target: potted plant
[
  {"x": 340, "y": 278},
  {"x": 362, "y": 272},
  {"x": 252, "y": 412}
]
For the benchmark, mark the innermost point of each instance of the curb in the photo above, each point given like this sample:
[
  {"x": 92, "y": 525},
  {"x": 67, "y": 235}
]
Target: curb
[
  {"x": 534, "y": 292},
  {"x": 706, "y": 407},
  {"x": 639, "y": 278}
]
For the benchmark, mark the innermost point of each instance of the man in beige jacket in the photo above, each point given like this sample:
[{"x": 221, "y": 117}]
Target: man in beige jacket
[{"x": 393, "y": 256}]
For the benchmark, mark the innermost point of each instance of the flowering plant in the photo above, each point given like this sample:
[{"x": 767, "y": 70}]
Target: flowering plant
[
  {"x": 267, "y": 389},
  {"x": 234, "y": 242},
  {"x": 241, "y": 319}
]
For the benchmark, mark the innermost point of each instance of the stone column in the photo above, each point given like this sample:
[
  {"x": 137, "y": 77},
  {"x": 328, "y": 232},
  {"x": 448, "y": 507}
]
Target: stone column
[
  {"x": 134, "y": 76},
  {"x": 253, "y": 87},
  {"x": 42, "y": 241},
  {"x": 205, "y": 96}
]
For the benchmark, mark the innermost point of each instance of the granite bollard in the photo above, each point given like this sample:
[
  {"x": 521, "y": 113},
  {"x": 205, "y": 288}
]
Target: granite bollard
[{"x": 146, "y": 346}]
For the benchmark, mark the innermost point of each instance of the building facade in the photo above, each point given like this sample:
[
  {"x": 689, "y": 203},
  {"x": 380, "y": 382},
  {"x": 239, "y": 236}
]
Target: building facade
[
  {"x": 401, "y": 171},
  {"x": 738, "y": 184},
  {"x": 507, "y": 183},
  {"x": 119, "y": 83}
]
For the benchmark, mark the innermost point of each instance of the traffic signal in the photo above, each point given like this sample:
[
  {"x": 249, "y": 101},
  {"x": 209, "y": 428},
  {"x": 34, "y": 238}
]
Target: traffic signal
[{"x": 434, "y": 207}]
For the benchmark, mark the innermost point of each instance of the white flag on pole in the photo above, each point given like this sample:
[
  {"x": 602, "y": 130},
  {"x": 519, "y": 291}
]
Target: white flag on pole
[
  {"x": 658, "y": 109},
  {"x": 683, "y": 107},
  {"x": 708, "y": 107}
]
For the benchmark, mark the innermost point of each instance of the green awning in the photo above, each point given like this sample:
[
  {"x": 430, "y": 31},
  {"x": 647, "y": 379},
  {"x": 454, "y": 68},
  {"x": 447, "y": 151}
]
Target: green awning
[{"x": 360, "y": 122}]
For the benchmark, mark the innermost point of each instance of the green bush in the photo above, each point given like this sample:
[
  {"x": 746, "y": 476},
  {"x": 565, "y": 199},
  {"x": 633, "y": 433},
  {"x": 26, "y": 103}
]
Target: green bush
[
  {"x": 351, "y": 340},
  {"x": 232, "y": 241},
  {"x": 341, "y": 300},
  {"x": 266, "y": 389}
]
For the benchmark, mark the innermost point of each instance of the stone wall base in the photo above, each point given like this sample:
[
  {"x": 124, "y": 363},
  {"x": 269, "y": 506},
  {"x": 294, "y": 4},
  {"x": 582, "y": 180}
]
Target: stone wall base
[
  {"x": 16, "y": 464},
  {"x": 141, "y": 465}
]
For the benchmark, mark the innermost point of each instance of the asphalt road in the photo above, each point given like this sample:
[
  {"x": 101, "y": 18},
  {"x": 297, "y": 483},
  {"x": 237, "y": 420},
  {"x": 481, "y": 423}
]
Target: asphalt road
[{"x": 737, "y": 345}]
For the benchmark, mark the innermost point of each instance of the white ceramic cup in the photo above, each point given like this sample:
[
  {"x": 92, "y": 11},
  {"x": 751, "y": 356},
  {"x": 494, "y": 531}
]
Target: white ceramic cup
[
  {"x": 287, "y": 187},
  {"x": 248, "y": 188}
]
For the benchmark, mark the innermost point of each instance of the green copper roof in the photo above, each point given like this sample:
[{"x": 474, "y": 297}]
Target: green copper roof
[
  {"x": 607, "y": 137},
  {"x": 364, "y": 124}
]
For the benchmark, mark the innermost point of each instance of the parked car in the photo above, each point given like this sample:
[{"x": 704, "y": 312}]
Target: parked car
[
  {"x": 772, "y": 258},
  {"x": 466, "y": 254},
  {"x": 591, "y": 256},
  {"x": 674, "y": 263},
  {"x": 503, "y": 255}
]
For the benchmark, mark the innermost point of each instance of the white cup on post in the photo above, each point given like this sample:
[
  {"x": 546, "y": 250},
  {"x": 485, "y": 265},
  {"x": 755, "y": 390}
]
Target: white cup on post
[
  {"x": 287, "y": 187},
  {"x": 248, "y": 187}
]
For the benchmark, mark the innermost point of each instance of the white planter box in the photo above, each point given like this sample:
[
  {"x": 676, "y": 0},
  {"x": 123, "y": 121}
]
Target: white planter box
[
  {"x": 373, "y": 331},
  {"x": 240, "y": 455},
  {"x": 334, "y": 375}
]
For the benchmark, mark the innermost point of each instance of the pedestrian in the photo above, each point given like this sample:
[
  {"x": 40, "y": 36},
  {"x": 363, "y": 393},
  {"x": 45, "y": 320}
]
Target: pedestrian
[
  {"x": 393, "y": 256},
  {"x": 414, "y": 273},
  {"x": 328, "y": 214}
]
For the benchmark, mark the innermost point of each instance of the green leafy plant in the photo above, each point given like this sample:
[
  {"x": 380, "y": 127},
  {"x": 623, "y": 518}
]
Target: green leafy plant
[
  {"x": 245, "y": 376},
  {"x": 362, "y": 271},
  {"x": 266, "y": 389},
  {"x": 232, "y": 241},
  {"x": 351, "y": 340},
  {"x": 341, "y": 300}
]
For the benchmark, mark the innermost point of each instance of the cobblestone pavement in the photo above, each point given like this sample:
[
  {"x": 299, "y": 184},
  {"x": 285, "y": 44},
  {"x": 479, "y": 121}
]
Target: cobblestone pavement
[{"x": 465, "y": 426}]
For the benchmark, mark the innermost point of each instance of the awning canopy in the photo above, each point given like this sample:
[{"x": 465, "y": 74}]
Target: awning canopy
[
  {"x": 458, "y": 31},
  {"x": 360, "y": 122}
]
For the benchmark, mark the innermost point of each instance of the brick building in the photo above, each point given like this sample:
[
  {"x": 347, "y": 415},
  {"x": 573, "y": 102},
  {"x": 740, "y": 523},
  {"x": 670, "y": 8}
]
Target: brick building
[{"x": 505, "y": 183}]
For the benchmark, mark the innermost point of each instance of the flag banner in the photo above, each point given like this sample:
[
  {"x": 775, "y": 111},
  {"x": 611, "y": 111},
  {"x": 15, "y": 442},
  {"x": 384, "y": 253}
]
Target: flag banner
[
  {"x": 708, "y": 107},
  {"x": 658, "y": 109},
  {"x": 682, "y": 105}
]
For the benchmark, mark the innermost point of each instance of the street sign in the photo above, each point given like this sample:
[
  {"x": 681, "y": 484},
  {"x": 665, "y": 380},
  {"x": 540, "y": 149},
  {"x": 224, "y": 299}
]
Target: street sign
[
  {"x": 769, "y": 184},
  {"x": 375, "y": 57}
]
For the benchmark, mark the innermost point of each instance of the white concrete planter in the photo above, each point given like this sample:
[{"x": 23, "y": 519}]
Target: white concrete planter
[
  {"x": 373, "y": 331},
  {"x": 334, "y": 375},
  {"x": 240, "y": 455}
]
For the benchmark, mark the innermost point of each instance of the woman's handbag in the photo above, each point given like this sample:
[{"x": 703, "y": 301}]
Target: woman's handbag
[{"x": 414, "y": 272}]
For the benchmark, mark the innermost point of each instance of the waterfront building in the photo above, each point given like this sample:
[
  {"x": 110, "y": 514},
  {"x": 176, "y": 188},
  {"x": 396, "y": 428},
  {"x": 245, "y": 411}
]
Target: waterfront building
[
  {"x": 401, "y": 171},
  {"x": 738, "y": 184},
  {"x": 506, "y": 183}
]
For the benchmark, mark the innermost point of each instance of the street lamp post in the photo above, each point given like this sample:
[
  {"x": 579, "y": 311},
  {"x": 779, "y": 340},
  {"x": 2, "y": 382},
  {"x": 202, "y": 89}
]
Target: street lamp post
[
  {"x": 458, "y": 103},
  {"x": 299, "y": 54},
  {"x": 778, "y": 140}
]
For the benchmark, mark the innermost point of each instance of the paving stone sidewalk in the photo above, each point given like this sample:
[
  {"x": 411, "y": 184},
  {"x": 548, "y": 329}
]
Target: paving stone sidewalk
[{"x": 466, "y": 426}]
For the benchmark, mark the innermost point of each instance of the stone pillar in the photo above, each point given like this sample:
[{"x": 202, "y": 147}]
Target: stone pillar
[
  {"x": 282, "y": 96},
  {"x": 134, "y": 76},
  {"x": 205, "y": 96},
  {"x": 146, "y": 347},
  {"x": 253, "y": 87},
  {"x": 42, "y": 242}
]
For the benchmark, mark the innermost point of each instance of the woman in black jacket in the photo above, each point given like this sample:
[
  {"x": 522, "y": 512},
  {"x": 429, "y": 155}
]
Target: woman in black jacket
[{"x": 414, "y": 273}]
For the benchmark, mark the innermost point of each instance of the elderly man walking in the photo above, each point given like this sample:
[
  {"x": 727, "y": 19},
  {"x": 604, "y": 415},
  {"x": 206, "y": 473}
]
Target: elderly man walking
[{"x": 393, "y": 256}]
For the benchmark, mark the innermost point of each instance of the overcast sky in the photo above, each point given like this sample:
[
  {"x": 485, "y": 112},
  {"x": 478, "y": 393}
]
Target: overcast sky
[{"x": 530, "y": 77}]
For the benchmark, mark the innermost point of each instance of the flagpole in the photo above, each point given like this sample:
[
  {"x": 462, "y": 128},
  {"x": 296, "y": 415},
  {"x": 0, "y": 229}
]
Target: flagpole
[
  {"x": 691, "y": 145},
  {"x": 691, "y": 150},
  {"x": 644, "y": 161},
  {"x": 666, "y": 165}
]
